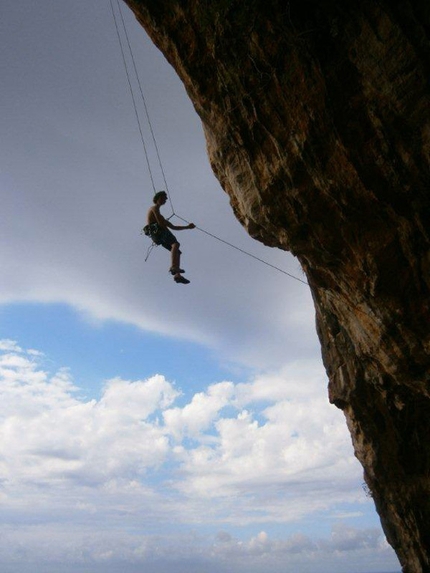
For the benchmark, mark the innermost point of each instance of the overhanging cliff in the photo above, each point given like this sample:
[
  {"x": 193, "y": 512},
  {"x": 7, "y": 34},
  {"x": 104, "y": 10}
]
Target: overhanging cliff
[{"x": 317, "y": 123}]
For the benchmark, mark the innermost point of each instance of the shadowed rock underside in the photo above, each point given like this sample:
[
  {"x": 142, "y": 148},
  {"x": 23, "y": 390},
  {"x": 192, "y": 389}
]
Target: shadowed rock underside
[{"x": 316, "y": 116}]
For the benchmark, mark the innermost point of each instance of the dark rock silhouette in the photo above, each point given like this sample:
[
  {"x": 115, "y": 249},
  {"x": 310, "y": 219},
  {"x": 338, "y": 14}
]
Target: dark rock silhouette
[{"x": 316, "y": 115}]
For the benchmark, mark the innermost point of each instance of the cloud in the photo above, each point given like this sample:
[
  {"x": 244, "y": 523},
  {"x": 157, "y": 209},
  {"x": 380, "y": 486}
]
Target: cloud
[
  {"x": 281, "y": 439},
  {"x": 75, "y": 472},
  {"x": 300, "y": 552},
  {"x": 53, "y": 437},
  {"x": 105, "y": 550},
  {"x": 250, "y": 445},
  {"x": 200, "y": 413},
  {"x": 9, "y": 345},
  {"x": 138, "y": 399}
]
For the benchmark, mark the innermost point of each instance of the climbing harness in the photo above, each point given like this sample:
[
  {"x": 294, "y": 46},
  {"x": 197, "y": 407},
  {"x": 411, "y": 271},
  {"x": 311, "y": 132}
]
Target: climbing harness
[{"x": 152, "y": 229}]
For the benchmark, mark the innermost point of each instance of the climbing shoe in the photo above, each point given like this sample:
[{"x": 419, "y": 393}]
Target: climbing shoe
[{"x": 181, "y": 279}]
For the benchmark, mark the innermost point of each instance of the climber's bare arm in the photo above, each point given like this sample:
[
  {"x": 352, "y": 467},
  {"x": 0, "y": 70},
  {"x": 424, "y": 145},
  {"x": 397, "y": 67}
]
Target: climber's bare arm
[
  {"x": 154, "y": 216},
  {"x": 180, "y": 227}
]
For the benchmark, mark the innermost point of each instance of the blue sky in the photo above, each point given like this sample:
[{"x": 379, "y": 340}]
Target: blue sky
[{"x": 147, "y": 425}]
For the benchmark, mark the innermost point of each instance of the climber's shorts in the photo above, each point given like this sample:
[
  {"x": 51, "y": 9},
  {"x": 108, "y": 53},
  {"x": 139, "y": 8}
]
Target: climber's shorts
[{"x": 165, "y": 238}]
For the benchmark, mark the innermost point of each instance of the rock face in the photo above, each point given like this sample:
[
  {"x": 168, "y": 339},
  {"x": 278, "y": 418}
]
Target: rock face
[{"x": 316, "y": 115}]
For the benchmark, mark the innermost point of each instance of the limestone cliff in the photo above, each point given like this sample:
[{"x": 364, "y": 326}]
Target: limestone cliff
[{"x": 316, "y": 115}]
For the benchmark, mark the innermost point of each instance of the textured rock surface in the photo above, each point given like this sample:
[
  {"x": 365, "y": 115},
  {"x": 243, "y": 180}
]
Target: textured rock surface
[{"x": 316, "y": 116}]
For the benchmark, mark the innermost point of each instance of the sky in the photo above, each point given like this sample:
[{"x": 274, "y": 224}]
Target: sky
[{"x": 145, "y": 425}]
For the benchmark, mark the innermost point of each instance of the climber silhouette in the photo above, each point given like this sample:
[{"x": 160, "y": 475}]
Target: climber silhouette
[{"x": 157, "y": 228}]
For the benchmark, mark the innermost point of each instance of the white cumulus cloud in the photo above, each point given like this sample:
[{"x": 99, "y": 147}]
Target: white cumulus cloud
[
  {"x": 270, "y": 450},
  {"x": 256, "y": 443}
]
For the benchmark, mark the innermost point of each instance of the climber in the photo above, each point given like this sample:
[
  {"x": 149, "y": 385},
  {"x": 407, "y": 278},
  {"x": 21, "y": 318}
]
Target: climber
[{"x": 157, "y": 228}]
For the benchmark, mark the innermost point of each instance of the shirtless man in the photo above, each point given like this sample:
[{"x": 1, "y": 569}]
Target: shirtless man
[{"x": 165, "y": 237}]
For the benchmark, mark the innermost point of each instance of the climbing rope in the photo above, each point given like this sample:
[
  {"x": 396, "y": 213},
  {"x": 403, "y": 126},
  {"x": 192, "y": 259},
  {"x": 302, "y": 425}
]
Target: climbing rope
[
  {"x": 145, "y": 107},
  {"x": 154, "y": 141},
  {"x": 149, "y": 250},
  {"x": 132, "y": 92},
  {"x": 142, "y": 95},
  {"x": 244, "y": 252}
]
